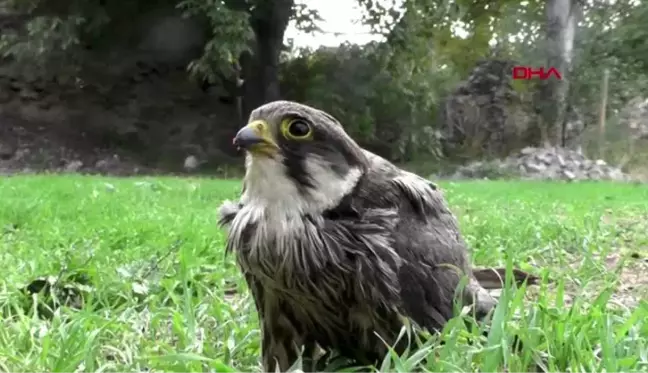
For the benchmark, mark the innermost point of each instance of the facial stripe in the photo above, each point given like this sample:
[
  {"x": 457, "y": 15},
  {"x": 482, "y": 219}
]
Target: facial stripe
[{"x": 293, "y": 160}]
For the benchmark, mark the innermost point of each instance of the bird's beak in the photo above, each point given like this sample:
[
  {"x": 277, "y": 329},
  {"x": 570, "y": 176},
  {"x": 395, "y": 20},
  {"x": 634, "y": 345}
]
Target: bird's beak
[{"x": 256, "y": 138}]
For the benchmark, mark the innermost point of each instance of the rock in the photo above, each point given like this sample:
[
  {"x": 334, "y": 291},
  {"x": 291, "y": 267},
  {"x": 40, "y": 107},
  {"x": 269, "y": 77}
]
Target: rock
[
  {"x": 6, "y": 151},
  {"x": 485, "y": 115},
  {"x": 107, "y": 163},
  {"x": 191, "y": 163},
  {"x": 528, "y": 150},
  {"x": 102, "y": 164},
  {"x": 485, "y": 106},
  {"x": 536, "y": 167},
  {"x": 73, "y": 166},
  {"x": 570, "y": 175},
  {"x": 544, "y": 164}
]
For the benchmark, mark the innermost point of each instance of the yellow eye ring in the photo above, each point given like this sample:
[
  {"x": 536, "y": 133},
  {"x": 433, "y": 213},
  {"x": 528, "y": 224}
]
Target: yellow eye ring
[{"x": 296, "y": 129}]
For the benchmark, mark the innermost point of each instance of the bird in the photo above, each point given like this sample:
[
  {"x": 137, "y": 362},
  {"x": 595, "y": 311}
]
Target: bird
[{"x": 340, "y": 248}]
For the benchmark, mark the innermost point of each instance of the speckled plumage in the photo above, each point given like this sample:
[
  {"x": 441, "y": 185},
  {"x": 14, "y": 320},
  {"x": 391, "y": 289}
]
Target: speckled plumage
[{"x": 338, "y": 245}]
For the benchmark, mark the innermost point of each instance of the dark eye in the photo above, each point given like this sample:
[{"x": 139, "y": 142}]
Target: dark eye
[{"x": 298, "y": 128}]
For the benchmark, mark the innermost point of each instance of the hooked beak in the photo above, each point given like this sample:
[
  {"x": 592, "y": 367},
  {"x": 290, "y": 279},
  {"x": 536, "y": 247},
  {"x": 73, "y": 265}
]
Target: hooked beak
[{"x": 255, "y": 138}]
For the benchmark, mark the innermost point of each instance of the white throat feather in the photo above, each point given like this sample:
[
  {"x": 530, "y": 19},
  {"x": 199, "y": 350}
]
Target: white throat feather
[
  {"x": 275, "y": 205},
  {"x": 269, "y": 188}
]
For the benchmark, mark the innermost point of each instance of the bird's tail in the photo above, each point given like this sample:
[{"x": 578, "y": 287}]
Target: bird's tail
[{"x": 495, "y": 278}]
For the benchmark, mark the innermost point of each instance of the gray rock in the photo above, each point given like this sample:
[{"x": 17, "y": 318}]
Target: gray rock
[
  {"x": 102, "y": 164},
  {"x": 569, "y": 175},
  {"x": 528, "y": 150},
  {"x": 536, "y": 167},
  {"x": 73, "y": 166},
  {"x": 108, "y": 163},
  {"x": 7, "y": 151},
  {"x": 191, "y": 163}
]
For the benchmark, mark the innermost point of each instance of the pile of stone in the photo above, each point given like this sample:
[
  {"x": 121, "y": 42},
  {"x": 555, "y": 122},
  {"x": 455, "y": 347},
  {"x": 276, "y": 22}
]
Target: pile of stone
[{"x": 544, "y": 164}]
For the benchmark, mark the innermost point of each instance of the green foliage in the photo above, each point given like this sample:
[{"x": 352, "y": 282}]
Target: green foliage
[
  {"x": 57, "y": 32},
  {"x": 339, "y": 80},
  {"x": 46, "y": 40},
  {"x": 305, "y": 18},
  {"x": 387, "y": 103},
  {"x": 426, "y": 56},
  {"x": 612, "y": 37},
  {"x": 52, "y": 36},
  {"x": 392, "y": 97},
  {"x": 230, "y": 36}
]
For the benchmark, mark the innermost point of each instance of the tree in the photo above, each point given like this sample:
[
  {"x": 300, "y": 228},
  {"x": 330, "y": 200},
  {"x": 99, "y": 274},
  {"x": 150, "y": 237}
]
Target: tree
[
  {"x": 256, "y": 46},
  {"x": 268, "y": 20},
  {"x": 562, "y": 19}
]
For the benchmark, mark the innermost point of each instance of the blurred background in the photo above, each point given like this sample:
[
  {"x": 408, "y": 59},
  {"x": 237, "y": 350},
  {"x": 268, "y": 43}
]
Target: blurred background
[{"x": 132, "y": 86}]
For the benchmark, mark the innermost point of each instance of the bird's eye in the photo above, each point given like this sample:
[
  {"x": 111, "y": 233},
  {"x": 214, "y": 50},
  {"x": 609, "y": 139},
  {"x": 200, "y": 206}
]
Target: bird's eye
[{"x": 297, "y": 129}]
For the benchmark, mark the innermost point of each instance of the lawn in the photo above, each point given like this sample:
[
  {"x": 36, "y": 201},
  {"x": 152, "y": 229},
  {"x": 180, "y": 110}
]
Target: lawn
[{"x": 141, "y": 281}]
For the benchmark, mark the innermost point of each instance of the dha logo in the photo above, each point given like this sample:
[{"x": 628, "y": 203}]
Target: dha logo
[{"x": 528, "y": 73}]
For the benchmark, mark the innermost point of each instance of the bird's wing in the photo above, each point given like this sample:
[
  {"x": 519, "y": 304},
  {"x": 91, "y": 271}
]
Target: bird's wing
[
  {"x": 387, "y": 186},
  {"x": 426, "y": 238}
]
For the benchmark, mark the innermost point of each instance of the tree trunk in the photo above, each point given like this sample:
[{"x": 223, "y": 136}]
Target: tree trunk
[
  {"x": 268, "y": 19},
  {"x": 552, "y": 102}
]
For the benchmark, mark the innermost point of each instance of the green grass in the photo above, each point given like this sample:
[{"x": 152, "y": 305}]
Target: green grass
[{"x": 150, "y": 287}]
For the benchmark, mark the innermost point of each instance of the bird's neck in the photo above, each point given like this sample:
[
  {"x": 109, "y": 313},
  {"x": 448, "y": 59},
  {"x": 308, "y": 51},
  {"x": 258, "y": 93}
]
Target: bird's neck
[{"x": 270, "y": 188}]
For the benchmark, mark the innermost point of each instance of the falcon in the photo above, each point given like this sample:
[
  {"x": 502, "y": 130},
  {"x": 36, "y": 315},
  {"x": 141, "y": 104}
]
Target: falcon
[{"x": 339, "y": 247}]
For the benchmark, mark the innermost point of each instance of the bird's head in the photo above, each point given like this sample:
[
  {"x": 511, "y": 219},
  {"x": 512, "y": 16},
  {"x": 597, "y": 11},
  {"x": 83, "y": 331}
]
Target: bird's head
[{"x": 298, "y": 154}]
